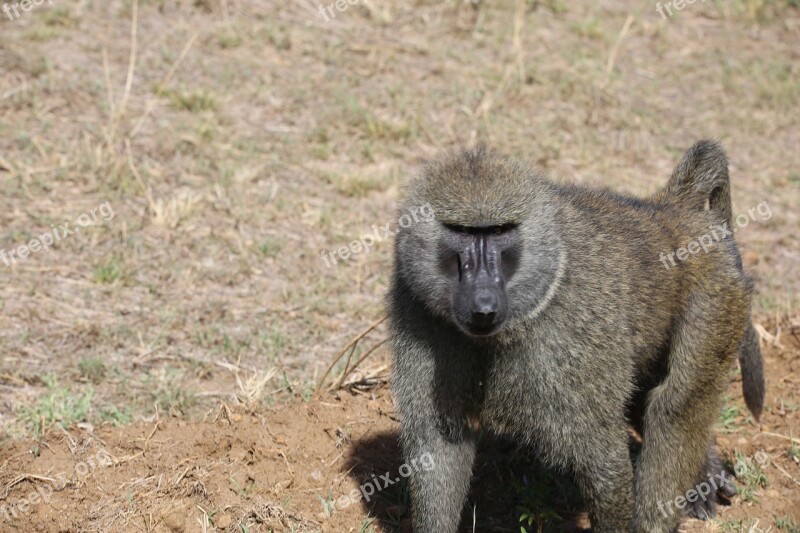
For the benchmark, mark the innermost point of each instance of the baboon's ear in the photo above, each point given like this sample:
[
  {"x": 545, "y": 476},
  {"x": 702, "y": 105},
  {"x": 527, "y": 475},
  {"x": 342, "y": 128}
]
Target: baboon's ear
[
  {"x": 702, "y": 177},
  {"x": 700, "y": 169}
]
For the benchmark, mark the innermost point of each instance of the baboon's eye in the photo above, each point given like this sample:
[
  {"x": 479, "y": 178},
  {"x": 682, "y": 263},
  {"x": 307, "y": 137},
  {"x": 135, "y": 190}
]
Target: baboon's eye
[
  {"x": 463, "y": 230},
  {"x": 485, "y": 230},
  {"x": 504, "y": 228}
]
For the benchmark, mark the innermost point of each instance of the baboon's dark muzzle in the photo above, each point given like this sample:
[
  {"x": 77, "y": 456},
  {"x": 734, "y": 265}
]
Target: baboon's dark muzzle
[
  {"x": 485, "y": 303},
  {"x": 481, "y": 293}
]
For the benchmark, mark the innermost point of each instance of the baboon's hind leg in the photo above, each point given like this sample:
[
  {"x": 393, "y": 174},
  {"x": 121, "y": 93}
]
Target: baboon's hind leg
[{"x": 680, "y": 412}]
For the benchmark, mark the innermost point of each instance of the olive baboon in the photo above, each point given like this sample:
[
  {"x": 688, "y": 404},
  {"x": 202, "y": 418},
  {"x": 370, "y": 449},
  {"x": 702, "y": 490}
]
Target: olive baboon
[{"x": 542, "y": 312}]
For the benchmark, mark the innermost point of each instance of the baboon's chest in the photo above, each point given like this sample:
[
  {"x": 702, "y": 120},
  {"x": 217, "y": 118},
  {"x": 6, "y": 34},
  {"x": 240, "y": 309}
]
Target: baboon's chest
[
  {"x": 514, "y": 391},
  {"x": 538, "y": 392}
]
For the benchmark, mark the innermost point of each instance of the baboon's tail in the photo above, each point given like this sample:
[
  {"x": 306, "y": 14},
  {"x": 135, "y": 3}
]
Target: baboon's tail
[
  {"x": 700, "y": 177},
  {"x": 752, "y": 365}
]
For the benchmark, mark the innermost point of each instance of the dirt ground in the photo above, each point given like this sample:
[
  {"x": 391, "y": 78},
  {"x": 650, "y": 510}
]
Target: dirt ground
[
  {"x": 295, "y": 468},
  {"x": 158, "y": 364}
]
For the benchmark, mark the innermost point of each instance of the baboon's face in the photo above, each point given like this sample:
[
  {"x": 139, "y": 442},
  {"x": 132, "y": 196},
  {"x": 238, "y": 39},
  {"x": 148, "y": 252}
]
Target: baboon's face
[
  {"x": 491, "y": 256},
  {"x": 478, "y": 262}
]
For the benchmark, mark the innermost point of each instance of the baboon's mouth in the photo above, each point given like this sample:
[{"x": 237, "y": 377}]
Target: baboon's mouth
[{"x": 483, "y": 331}]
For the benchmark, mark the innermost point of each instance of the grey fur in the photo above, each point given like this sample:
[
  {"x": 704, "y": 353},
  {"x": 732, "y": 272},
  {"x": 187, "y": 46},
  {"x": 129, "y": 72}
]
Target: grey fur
[{"x": 599, "y": 337}]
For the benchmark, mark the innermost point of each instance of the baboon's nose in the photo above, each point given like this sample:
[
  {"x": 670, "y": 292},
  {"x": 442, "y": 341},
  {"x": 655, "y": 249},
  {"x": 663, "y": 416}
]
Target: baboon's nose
[{"x": 484, "y": 308}]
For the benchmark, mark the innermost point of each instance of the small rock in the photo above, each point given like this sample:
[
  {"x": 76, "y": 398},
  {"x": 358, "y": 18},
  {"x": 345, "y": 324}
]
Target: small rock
[
  {"x": 223, "y": 521},
  {"x": 175, "y": 521}
]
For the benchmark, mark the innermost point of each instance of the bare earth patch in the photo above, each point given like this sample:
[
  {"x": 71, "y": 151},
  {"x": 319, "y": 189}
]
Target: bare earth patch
[{"x": 295, "y": 469}]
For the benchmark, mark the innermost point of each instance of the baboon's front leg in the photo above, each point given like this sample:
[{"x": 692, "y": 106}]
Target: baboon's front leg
[
  {"x": 606, "y": 480},
  {"x": 430, "y": 389},
  {"x": 438, "y": 493}
]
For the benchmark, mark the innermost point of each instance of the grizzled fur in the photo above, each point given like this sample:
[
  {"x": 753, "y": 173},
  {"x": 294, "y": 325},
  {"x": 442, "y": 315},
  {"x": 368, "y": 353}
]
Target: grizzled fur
[{"x": 600, "y": 336}]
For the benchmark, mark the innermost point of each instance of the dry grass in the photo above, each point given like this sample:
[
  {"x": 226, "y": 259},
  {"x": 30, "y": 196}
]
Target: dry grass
[{"x": 237, "y": 139}]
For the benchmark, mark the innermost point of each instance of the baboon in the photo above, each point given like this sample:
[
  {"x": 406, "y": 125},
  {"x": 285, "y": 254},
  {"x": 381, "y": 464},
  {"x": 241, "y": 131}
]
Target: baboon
[{"x": 542, "y": 312}]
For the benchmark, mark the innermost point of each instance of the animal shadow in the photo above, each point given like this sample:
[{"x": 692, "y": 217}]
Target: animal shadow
[{"x": 509, "y": 490}]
